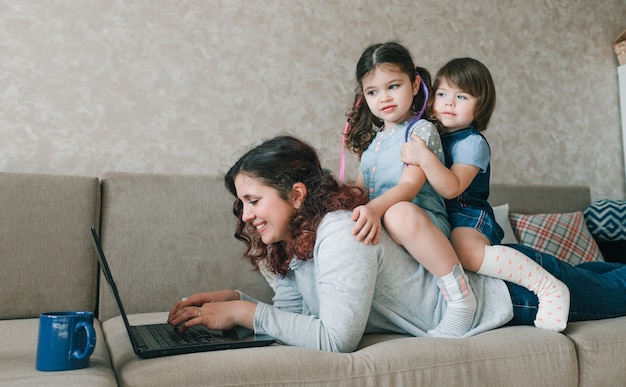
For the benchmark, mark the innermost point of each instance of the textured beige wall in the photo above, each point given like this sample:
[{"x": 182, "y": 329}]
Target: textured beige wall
[{"x": 88, "y": 86}]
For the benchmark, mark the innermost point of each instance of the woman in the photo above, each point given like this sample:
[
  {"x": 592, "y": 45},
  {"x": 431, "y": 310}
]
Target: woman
[{"x": 331, "y": 289}]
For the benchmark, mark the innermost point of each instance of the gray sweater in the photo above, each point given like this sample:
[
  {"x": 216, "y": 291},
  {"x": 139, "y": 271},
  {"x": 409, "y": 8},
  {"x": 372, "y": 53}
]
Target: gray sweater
[{"x": 349, "y": 289}]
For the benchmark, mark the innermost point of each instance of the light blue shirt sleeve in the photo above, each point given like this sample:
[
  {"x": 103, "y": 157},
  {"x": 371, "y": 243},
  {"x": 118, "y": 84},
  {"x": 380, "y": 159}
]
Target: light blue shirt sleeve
[{"x": 472, "y": 150}]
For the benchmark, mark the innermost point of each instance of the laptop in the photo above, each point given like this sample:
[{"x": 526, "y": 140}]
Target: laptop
[{"x": 155, "y": 340}]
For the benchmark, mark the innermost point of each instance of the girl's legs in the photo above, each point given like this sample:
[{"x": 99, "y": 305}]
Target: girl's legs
[
  {"x": 594, "y": 294},
  {"x": 410, "y": 227},
  {"x": 511, "y": 265}
]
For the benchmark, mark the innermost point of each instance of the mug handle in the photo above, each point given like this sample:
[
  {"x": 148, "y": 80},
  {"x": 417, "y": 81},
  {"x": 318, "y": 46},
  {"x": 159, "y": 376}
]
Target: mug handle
[{"x": 90, "y": 343}]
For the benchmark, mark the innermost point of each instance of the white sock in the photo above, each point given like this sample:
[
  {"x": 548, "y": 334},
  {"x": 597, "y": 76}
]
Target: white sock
[
  {"x": 459, "y": 315},
  {"x": 511, "y": 265}
]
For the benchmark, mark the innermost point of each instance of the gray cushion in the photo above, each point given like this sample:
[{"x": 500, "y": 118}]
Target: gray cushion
[
  {"x": 46, "y": 253},
  {"x": 539, "y": 199},
  {"x": 512, "y": 356},
  {"x": 18, "y": 354},
  {"x": 600, "y": 346},
  {"x": 168, "y": 236}
]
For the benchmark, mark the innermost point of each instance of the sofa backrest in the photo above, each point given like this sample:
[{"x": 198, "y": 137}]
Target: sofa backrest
[
  {"x": 169, "y": 236},
  {"x": 540, "y": 199},
  {"x": 47, "y": 260},
  {"x": 166, "y": 236}
]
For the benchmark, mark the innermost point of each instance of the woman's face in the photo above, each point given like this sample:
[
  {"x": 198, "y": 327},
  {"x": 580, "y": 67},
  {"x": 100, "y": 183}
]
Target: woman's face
[{"x": 264, "y": 209}]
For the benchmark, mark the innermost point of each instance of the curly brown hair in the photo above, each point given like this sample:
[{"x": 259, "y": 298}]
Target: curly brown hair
[
  {"x": 362, "y": 124},
  {"x": 280, "y": 163}
]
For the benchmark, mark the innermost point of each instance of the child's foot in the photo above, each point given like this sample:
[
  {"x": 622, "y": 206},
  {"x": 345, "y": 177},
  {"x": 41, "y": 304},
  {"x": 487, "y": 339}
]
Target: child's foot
[
  {"x": 459, "y": 315},
  {"x": 511, "y": 265},
  {"x": 553, "y": 303}
]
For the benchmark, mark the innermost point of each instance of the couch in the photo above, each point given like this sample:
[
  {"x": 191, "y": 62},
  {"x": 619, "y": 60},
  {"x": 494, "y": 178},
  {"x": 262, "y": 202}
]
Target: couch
[{"x": 168, "y": 236}]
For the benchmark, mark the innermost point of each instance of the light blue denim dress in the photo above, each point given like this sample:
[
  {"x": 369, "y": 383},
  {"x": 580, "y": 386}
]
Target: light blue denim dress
[{"x": 381, "y": 166}]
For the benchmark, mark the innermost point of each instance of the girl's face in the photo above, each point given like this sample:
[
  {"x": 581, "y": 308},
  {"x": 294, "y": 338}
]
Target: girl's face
[
  {"x": 454, "y": 107},
  {"x": 389, "y": 94},
  {"x": 264, "y": 209}
]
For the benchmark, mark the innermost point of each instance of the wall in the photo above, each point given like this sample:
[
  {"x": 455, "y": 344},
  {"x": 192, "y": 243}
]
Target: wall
[{"x": 88, "y": 86}]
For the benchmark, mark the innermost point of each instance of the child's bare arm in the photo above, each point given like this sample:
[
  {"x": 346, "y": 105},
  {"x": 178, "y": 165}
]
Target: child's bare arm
[{"x": 449, "y": 183}]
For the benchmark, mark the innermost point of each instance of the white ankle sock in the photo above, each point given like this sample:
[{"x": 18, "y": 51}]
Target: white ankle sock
[
  {"x": 511, "y": 265},
  {"x": 461, "y": 307}
]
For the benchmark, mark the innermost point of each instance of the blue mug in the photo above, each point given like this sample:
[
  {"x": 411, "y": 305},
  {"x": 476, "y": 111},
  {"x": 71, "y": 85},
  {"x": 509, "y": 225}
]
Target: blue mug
[{"x": 66, "y": 340}]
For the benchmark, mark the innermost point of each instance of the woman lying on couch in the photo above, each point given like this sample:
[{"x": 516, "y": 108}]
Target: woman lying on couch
[{"x": 331, "y": 289}]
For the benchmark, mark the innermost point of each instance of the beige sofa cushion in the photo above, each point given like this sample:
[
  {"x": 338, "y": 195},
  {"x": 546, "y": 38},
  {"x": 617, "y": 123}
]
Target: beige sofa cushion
[
  {"x": 169, "y": 236},
  {"x": 601, "y": 349},
  {"x": 539, "y": 199},
  {"x": 18, "y": 354},
  {"x": 46, "y": 253},
  {"x": 513, "y": 356}
]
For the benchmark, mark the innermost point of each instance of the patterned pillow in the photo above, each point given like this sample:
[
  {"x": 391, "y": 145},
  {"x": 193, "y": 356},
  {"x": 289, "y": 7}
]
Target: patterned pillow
[
  {"x": 606, "y": 219},
  {"x": 563, "y": 235}
]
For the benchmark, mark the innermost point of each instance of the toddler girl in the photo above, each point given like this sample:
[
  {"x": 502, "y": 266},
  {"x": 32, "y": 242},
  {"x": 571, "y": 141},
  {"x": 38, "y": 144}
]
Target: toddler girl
[{"x": 464, "y": 98}]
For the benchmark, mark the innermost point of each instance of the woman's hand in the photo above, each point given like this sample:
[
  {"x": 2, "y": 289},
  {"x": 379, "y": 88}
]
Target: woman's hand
[
  {"x": 368, "y": 225},
  {"x": 218, "y": 310},
  {"x": 200, "y": 299}
]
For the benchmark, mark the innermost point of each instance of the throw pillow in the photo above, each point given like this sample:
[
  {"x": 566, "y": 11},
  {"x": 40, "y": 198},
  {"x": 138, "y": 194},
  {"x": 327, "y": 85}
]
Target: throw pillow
[
  {"x": 501, "y": 213},
  {"x": 606, "y": 219},
  {"x": 563, "y": 235}
]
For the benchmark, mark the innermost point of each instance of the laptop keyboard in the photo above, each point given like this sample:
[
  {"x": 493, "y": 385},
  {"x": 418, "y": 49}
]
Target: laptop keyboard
[{"x": 167, "y": 336}]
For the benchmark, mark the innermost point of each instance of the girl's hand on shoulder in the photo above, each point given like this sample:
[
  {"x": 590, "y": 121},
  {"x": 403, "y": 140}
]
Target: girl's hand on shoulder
[
  {"x": 412, "y": 151},
  {"x": 368, "y": 225}
]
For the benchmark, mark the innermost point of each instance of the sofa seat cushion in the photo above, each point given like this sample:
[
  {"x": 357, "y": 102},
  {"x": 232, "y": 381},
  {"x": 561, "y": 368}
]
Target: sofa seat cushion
[
  {"x": 18, "y": 354},
  {"x": 600, "y": 349},
  {"x": 512, "y": 356}
]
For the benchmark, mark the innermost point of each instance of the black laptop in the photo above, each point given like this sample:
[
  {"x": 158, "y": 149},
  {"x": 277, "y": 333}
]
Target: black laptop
[{"x": 154, "y": 340}]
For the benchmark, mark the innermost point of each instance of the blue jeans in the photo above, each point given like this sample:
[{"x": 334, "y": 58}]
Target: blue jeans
[
  {"x": 480, "y": 220},
  {"x": 597, "y": 289}
]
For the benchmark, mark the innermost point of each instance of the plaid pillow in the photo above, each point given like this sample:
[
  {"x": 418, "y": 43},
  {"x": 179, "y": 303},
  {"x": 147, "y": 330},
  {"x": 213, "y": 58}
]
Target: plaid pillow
[{"x": 563, "y": 235}]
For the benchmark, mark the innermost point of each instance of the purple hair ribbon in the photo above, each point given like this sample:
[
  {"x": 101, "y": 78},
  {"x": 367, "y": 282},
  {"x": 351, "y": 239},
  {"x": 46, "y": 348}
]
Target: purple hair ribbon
[{"x": 421, "y": 112}]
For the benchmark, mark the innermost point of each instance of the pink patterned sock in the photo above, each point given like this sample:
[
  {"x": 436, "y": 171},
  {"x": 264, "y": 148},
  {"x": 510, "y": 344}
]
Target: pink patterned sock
[{"x": 511, "y": 265}]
